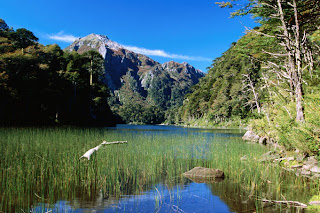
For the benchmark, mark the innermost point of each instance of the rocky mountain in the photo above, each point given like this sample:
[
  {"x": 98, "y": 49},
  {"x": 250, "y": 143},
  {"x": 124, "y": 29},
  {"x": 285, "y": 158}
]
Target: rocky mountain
[{"x": 136, "y": 78}]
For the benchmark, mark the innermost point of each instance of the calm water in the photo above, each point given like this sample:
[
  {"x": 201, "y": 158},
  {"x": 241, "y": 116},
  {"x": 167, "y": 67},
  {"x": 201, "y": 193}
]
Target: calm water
[
  {"x": 146, "y": 174},
  {"x": 186, "y": 197}
]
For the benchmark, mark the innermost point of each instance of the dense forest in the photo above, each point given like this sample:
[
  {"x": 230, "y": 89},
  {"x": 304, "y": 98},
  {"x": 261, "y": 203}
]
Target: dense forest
[
  {"x": 44, "y": 85},
  {"x": 269, "y": 78},
  {"x": 160, "y": 97}
]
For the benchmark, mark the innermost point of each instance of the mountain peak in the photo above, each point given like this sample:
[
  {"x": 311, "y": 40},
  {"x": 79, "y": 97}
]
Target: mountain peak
[
  {"x": 178, "y": 67},
  {"x": 94, "y": 41}
]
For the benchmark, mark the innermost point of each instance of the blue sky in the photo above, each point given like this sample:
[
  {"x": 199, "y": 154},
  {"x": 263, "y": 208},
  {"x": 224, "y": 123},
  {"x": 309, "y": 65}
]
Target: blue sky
[{"x": 181, "y": 30}]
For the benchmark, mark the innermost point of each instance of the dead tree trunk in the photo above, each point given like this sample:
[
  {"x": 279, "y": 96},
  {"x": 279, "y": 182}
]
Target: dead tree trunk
[
  {"x": 298, "y": 76},
  {"x": 293, "y": 47},
  {"x": 93, "y": 150},
  {"x": 249, "y": 83}
]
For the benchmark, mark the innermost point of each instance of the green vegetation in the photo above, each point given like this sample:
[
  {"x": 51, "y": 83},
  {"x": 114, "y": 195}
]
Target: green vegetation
[
  {"x": 43, "y": 85},
  {"x": 269, "y": 79},
  {"x": 221, "y": 94},
  {"x": 314, "y": 208},
  {"x": 132, "y": 106},
  {"x": 160, "y": 98},
  {"x": 43, "y": 166}
]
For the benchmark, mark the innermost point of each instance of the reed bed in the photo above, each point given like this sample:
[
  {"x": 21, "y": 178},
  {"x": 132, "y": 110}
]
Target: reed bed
[{"x": 42, "y": 165}]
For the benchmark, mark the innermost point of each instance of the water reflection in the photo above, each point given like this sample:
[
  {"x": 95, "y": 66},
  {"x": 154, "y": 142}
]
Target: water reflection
[
  {"x": 220, "y": 132},
  {"x": 221, "y": 196},
  {"x": 193, "y": 197}
]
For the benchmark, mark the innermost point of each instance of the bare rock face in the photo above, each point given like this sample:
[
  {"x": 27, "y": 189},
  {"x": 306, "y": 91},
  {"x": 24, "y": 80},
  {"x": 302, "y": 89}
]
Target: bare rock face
[
  {"x": 119, "y": 60},
  {"x": 203, "y": 175}
]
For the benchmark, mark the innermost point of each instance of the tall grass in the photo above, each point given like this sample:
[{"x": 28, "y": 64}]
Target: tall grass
[{"x": 42, "y": 165}]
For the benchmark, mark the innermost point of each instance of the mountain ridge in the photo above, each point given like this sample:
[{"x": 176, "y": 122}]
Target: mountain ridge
[{"x": 136, "y": 78}]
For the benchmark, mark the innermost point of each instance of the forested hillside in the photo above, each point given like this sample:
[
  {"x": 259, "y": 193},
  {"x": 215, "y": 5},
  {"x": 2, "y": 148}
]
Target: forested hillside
[
  {"x": 225, "y": 93},
  {"x": 270, "y": 77},
  {"x": 44, "y": 85}
]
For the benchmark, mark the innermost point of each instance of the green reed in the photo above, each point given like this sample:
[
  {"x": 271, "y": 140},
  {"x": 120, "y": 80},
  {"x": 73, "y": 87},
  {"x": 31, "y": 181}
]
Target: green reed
[{"x": 42, "y": 165}]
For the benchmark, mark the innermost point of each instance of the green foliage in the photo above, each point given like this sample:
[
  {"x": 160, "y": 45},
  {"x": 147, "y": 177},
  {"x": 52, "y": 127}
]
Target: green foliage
[
  {"x": 22, "y": 38},
  {"x": 221, "y": 94},
  {"x": 140, "y": 114},
  {"x": 43, "y": 85},
  {"x": 160, "y": 90},
  {"x": 158, "y": 100},
  {"x": 282, "y": 126},
  {"x": 314, "y": 208},
  {"x": 133, "y": 107}
]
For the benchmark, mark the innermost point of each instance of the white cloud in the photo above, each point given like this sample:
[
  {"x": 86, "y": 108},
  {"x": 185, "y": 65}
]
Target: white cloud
[
  {"x": 62, "y": 37},
  {"x": 162, "y": 53}
]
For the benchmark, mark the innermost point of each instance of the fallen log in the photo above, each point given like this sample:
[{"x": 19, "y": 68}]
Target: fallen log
[
  {"x": 291, "y": 203},
  {"x": 91, "y": 151}
]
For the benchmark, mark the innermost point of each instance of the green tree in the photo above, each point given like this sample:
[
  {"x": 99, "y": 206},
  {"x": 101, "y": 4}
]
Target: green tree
[
  {"x": 295, "y": 21},
  {"x": 23, "y": 38}
]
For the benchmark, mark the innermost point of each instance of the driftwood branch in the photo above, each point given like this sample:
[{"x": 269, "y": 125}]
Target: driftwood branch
[
  {"x": 291, "y": 203},
  {"x": 91, "y": 151}
]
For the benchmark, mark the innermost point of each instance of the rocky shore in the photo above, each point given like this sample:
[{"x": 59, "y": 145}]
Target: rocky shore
[{"x": 301, "y": 165}]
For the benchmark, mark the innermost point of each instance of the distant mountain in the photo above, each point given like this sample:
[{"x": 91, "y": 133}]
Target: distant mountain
[{"x": 137, "y": 79}]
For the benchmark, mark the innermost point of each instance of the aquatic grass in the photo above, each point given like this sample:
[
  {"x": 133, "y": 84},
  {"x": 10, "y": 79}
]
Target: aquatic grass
[{"x": 42, "y": 165}]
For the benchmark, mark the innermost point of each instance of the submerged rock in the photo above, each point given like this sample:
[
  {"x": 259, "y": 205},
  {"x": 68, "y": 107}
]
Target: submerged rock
[{"x": 203, "y": 175}]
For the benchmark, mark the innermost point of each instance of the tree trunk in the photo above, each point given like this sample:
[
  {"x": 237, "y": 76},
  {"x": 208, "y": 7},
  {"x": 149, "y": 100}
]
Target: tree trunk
[
  {"x": 298, "y": 84},
  {"x": 289, "y": 50},
  {"x": 91, "y": 71},
  {"x": 299, "y": 105},
  {"x": 293, "y": 47}
]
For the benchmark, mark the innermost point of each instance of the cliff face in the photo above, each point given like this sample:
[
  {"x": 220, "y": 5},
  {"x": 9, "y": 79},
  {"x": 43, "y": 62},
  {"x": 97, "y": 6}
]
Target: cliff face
[
  {"x": 118, "y": 60},
  {"x": 133, "y": 76}
]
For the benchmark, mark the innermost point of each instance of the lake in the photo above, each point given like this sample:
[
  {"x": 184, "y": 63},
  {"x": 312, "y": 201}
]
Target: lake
[{"x": 41, "y": 171}]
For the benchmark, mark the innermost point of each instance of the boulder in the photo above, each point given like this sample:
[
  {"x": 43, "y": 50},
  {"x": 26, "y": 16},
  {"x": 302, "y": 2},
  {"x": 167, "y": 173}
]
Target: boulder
[
  {"x": 250, "y": 136},
  {"x": 290, "y": 158},
  {"x": 305, "y": 172},
  {"x": 306, "y": 167},
  {"x": 202, "y": 175},
  {"x": 315, "y": 203},
  {"x": 315, "y": 169},
  {"x": 311, "y": 161},
  {"x": 263, "y": 140}
]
